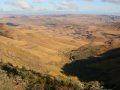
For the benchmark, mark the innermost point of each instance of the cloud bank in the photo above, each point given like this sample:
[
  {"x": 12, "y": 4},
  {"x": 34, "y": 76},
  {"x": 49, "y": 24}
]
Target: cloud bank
[{"x": 60, "y": 5}]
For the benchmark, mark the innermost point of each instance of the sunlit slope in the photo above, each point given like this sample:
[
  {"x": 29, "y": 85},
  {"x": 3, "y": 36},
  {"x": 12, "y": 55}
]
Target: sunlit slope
[
  {"x": 12, "y": 51},
  {"x": 18, "y": 56},
  {"x": 35, "y": 49},
  {"x": 43, "y": 45}
]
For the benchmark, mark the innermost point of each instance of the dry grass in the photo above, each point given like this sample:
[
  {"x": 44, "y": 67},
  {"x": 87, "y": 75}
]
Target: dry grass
[
  {"x": 40, "y": 42},
  {"x": 36, "y": 49}
]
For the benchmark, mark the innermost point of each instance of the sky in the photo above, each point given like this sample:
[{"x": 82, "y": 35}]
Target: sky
[{"x": 101, "y": 7}]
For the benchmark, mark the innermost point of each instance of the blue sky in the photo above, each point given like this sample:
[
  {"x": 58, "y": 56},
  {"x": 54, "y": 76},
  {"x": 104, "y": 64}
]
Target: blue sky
[{"x": 105, "y": 7}]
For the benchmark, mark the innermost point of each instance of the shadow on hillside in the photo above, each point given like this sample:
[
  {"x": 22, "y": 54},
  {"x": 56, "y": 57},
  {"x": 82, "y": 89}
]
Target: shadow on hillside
[
  {"x": 12, "y": 24},
  {"x": 105, "y": 68}
]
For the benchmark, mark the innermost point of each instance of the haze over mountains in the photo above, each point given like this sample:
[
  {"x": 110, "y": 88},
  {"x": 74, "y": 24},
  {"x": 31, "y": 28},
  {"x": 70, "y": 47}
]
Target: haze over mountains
[{"x": 59, "y": 46}]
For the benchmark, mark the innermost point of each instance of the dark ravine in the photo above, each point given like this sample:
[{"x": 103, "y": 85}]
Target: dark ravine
[{"x": 104, "y": 68}]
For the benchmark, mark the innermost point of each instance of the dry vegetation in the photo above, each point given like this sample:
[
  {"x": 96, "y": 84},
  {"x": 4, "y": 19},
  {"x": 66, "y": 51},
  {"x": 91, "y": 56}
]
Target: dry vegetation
[{"x": 45, "y": 44}]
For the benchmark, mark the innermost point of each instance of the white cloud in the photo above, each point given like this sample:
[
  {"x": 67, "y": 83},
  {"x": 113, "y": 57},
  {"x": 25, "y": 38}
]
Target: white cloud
[
  {"x": 112, "y": 1},
  {"x": 65, "y": 5},
  {"x": 55, "y": 5},
  {"x": 1, "y": 9},
  {"x": 38, "y": 1},
  {"x": 21, "y": 4}
]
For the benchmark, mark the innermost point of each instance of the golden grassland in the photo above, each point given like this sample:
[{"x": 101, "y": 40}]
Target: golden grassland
[
  {"x": 35, "y": 49},
  {"x": 47, "y": 46}
]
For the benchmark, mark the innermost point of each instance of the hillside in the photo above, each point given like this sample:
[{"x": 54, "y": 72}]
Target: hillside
[
  {"x": 61, "y": 46},
  {"x": 33, "y": 49},
  {"x": 90, "y": 64},
  {"x": 14, "y": 78}
]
